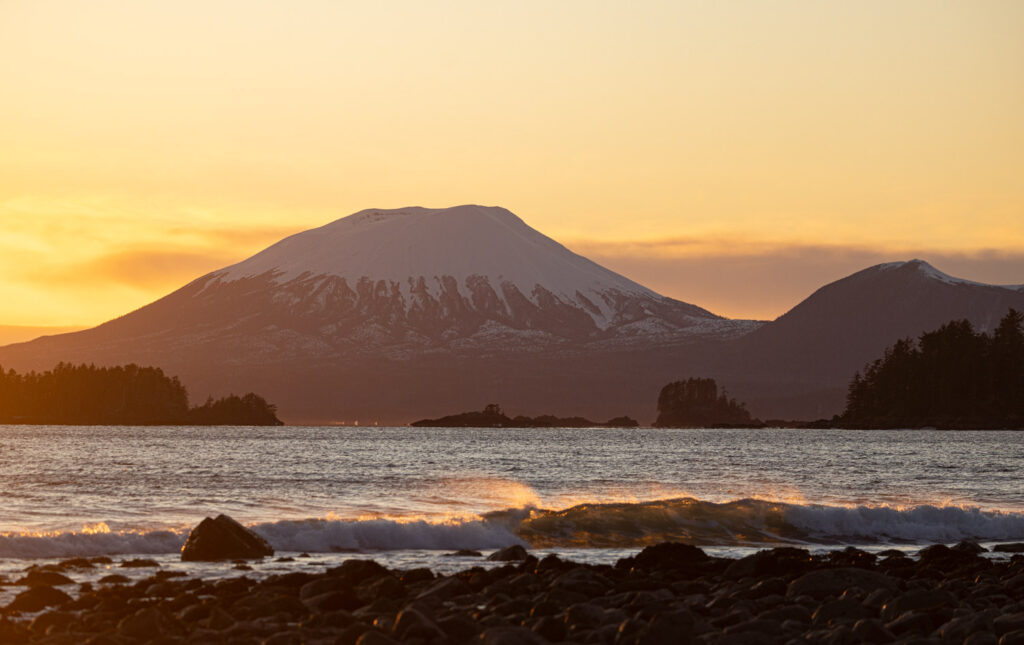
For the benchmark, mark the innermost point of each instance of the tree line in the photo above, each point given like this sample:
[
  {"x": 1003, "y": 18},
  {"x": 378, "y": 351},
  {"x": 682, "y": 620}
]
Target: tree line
[
  {"x": 952, "y": 377},
  {"x": 696, "y": 403},
  {"x": 122, "y": 395}
]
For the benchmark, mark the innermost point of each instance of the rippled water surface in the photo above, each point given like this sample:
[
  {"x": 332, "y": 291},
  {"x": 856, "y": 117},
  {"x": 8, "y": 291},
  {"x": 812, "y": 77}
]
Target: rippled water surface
[{"x": 111, "y": 489}]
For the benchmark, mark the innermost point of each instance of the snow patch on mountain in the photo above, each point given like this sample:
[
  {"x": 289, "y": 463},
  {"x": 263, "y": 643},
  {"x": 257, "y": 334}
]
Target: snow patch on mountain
[
  {"x": 419, "y": 249},
  {"x": 931, "y": 272},
  {"x": 401, "y": 246}
]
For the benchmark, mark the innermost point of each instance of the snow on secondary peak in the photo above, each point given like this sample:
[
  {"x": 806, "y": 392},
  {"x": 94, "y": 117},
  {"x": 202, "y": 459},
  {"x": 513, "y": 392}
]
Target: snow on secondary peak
[
  {"x": 929, "y": 271},
  {"x": 402, "y": 245}
]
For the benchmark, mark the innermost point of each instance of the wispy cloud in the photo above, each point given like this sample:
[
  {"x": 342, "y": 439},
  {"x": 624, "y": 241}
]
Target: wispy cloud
[{"x": 764, "y": 280}]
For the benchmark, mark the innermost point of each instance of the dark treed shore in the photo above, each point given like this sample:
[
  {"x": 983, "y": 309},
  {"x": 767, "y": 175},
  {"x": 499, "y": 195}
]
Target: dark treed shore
[
  {"x": 492, "y": 416},
  {"x": 123, "y": 395},
  {"x": 670, "y": 593},
  {"x": 952, "y": 377}
]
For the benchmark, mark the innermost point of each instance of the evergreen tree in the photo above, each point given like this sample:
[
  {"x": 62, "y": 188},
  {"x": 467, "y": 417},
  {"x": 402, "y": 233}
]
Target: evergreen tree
[
  {"x": 951, "y": 377},
  {"x": 123, "y": 395},
  {"x": 696, "y": 403}
]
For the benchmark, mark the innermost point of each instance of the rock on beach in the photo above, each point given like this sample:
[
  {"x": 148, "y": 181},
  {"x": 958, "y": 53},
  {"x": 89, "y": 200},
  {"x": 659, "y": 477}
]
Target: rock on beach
[
  {"x": 222, "y": 538},
  {"x": 669, "y": 593}
]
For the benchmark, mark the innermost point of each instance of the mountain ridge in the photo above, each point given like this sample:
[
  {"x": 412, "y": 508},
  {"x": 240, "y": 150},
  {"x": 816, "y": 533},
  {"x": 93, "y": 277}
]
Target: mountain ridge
[{"x": 302, "y": 323}]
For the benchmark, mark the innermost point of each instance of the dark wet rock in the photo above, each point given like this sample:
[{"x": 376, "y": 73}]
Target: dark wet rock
[
  {"x": 163, "y": 575},
  {"x": 514, "y": 553},
  {"x": 969, "y": 547},
  {"x": 851, "y": 557},
  {"x": 942, "y": 557},
  {"x": 760, "y": 625},
  {"x": 1010, "y": 547},
  {"x": 665, "y": 556},
  {"x": 321, "y": 586},
  {"x": 458, "y": 626},
  {"x": 373, "y": 637},
  {"x": 918, "y": 622},
  {"x": 1013, "y": 638},
  {"x": 144, "y": 623},
  {"x": 38, "y": 598},
  {"x": 445, "y": 589},
  {"x": 194, "y": 612},
  {"x": 584, "y": 582},
  {"x": 1008, "y": 623},
  {"x": 358, "y": 571},
  {"x": 670, "y": 628},
  {"x": 584, "y": 615},
  {"x": 76, "y": 563},
  {"x": 40, "y": 578},
  {"x": 100, "y": 559},
  {"x": 12, "y": 632},
  {"x": 832, "y": 582},
  {"x": 510, "y": 636},
  {"x": 550, "y": 629},
  {"x": 771, "y": 562},
  {"x": 923, "y": 600},
  {"x": 414, "y": 623},
  {"x": 981, "y": 638},
  {"x": 870, "y": 630},
  {"x": 415, "y": 576},
  {"x": 222, "y": 538},
  {"x": 559, "y": 601},
  {"x": 51, "y": 619},
  {"x": 464, "y": 553},
  {"x": 384, "y": 587},
  {"x": 769, "y": 587},
  {"x": 332, "y": 601},
  {"x": 960, "y": 627},
  {"x": 877, "y": 598},
  {"x": 845, "y": 610},
  {"x": 284, "y": 638},
  {"x": 796, "y": 613},
  {"x": 139, "y": 563}
]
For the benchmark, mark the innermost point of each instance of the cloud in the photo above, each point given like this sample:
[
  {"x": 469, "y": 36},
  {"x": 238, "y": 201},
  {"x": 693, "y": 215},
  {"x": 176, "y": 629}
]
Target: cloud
[
  {"x": 145, "y": 269},
  {"x": 242, "y": 237},
  {"x": 764, "y": 280}
]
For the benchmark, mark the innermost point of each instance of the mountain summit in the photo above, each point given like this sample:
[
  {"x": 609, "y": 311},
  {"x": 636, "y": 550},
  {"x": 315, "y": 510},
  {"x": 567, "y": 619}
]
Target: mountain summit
[
  {"x": 428, "y": 252},
  {"x": 407, "y": 300},
  {"x": 422, "y": 277},
  {"x": 811, "y": 352}
]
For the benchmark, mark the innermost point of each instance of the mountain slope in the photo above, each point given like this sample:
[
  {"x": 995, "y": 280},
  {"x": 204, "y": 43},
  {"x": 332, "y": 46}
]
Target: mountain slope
[
  {"x": 799, "y": 365},
  {"x": 340, "y": 321}
]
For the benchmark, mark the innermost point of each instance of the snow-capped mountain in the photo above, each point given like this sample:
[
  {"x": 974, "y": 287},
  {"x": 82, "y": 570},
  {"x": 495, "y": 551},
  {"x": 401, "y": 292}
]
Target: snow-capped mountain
[
  {"x": 800, "y": 365},
  {"x": 422, "y": 276},
  {"x": 415, "y": 297}
]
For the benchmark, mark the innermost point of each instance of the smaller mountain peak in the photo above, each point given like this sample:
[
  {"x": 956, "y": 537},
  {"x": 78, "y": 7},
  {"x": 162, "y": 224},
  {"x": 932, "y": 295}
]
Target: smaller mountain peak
[{"x": 922, "y": 269}]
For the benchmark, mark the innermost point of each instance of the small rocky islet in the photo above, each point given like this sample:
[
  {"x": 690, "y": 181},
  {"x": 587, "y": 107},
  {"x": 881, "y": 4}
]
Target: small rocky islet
[{"x": 667, "y": 593}]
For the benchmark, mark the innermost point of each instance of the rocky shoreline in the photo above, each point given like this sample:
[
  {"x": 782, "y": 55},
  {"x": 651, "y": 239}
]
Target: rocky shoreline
[{"x": 668, "y": 593}]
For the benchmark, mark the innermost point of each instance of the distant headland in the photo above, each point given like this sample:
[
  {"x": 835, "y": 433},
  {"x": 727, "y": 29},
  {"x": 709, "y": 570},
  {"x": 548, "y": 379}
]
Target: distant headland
[
  {"x": 492, "y": 416},
  {"x": 123, "y": 395}
]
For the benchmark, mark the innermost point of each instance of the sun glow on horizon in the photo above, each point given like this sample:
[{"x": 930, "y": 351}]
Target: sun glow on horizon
[{"x": 735, "y": 156}]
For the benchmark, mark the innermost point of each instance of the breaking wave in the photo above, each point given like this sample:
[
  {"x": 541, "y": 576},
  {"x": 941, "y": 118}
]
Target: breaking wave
[{"x": 747, "y": 522}]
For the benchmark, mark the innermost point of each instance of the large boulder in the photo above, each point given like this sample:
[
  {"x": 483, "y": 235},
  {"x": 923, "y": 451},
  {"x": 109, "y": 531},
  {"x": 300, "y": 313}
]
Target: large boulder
[{"x": 222, "y": 538}]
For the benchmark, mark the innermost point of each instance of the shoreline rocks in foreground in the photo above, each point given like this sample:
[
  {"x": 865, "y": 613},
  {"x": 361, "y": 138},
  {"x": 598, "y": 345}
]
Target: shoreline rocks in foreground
[
  {"x": 223, "y": 538},
  {"x": 667, "y": 593}
]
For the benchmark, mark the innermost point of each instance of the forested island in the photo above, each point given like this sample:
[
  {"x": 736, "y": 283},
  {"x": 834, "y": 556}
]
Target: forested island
[
  {"x": 122, "y": 395},
  {"x": 492, "y": 416},
  {"x": 950, "y": 378},
  {"x": 696, "y": 403}
]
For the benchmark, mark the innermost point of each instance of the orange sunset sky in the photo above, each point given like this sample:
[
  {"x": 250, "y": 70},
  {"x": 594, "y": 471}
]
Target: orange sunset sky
[{"x": 736, "y": 155}]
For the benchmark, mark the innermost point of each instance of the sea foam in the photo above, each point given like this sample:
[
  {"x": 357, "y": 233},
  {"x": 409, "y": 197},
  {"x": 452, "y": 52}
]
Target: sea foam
[{"x": 746, "y": 522}]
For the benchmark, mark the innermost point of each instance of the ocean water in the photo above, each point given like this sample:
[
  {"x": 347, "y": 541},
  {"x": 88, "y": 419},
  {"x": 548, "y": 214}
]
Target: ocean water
[{"x": 408, "y": 496}]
